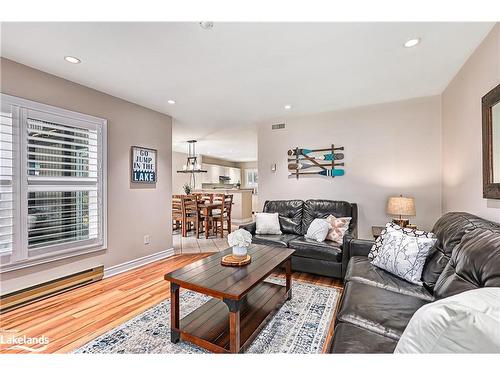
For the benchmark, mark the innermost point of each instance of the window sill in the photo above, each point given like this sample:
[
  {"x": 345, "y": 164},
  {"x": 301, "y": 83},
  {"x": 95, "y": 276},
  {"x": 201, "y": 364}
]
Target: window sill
[{"x": 49, "y": 258}]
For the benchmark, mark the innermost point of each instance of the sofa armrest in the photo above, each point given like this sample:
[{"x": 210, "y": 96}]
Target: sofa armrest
[
  {"x": 249, "y": 227},
  {"x": 360, "y": 248},
  {"x": 355, "y": 247}
]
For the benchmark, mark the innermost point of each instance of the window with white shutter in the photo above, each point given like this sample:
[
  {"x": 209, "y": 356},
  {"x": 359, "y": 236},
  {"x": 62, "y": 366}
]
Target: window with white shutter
[
  {"x": 6, "y": 183},
  {"x": 59, "y": 187}
]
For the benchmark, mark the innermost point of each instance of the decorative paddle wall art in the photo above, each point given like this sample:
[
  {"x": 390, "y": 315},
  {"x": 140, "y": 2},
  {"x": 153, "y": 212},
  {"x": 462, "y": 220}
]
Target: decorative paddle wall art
[{"x": 321, "y": 162}]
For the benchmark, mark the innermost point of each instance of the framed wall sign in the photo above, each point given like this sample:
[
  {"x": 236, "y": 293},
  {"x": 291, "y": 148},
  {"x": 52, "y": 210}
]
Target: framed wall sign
[{"x": 143, "y": 166}]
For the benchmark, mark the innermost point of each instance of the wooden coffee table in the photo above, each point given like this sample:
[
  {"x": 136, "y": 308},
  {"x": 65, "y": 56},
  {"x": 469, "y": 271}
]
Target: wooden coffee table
[{"x": 251, "y": 301}]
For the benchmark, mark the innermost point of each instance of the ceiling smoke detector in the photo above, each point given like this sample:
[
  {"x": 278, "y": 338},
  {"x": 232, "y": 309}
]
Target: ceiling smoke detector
[{"x": 207, "y": 25}]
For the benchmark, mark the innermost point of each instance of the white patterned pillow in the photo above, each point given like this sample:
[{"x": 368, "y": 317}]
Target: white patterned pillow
[
  {"x": 403, "y": 255},
  {"x": 318, "y": 230},
  {"x": 389, "y": 227}
]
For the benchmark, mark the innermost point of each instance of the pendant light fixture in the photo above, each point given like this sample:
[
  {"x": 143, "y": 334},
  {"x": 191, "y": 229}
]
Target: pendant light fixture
[{"x": 192, "y": 165}]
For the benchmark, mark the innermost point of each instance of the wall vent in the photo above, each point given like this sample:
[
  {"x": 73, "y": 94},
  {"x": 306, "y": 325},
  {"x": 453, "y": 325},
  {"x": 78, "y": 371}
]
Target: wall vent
[{"x": 278, "y": 126}]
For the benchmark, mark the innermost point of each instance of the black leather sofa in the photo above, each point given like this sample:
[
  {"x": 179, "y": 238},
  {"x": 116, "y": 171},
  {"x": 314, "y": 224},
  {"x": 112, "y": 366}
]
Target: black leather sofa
[
  {"x": 377, "y": 306},
  {"x": 295, "y": 216}
]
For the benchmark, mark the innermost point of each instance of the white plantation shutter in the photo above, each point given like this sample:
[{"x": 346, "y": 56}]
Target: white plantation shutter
[
  {"x": 6, "y": 183},
  {"x": 64, "y": 172},
  {"x": 62, "y": 189}
]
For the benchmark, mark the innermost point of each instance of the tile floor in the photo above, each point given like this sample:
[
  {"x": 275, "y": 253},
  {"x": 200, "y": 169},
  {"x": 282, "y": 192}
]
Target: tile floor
[{"x": 190, "y": 244}]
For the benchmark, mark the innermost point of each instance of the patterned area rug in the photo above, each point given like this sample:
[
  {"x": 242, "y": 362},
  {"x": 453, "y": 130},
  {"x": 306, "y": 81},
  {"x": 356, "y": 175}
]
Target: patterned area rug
[{"x": 300, "y": 326}]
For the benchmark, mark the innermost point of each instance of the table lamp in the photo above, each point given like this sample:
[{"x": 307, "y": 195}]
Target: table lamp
[{"x": 401, "y": 206}]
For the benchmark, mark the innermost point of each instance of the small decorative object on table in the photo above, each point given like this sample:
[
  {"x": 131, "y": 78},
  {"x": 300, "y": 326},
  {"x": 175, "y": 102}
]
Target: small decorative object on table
[
  {"x": 187, "y": 189},
  {"x": 401, "y": 206},
  {"x": 240, "y": 240}
]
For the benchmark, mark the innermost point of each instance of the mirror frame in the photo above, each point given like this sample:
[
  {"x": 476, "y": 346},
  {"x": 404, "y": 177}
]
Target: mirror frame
[{"x": 491, "y": 190}]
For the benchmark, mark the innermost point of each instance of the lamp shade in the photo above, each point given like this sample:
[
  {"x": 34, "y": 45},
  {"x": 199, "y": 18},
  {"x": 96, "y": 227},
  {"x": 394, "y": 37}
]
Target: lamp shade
[{"x": 402, "y": 206}]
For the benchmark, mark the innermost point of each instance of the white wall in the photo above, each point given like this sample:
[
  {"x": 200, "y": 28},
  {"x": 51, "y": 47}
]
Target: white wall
[
  {"x": 133, "y": 210},
  {"x": 390, "y": 149},
  {"x": 462, "y": 132},
  {"x": 179, "y": 179}
]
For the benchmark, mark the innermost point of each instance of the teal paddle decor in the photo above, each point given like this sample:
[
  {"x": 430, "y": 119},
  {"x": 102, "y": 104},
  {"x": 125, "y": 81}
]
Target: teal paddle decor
[
  {"x": 294, "y": 166},
  {"x": 339, "y": 156},
  {"x": 328, "y": 173},
  {"x": 323, "y": 164},
  {"x": 306, "y": 151}
]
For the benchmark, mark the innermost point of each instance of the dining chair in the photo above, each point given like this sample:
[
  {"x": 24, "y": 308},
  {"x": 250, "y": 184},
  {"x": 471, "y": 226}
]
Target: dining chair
[
  {"x": 191, "y": 214},
  {"x": 223, "y": 214},
  {"x": 205, "y": 197},
  {"x": 176, "y": 212}
]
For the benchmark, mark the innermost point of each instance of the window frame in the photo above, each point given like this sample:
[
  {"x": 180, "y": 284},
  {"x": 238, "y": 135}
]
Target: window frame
[
  {"x": 254, "y": 173},
  {"x": 20, "y": 257}
]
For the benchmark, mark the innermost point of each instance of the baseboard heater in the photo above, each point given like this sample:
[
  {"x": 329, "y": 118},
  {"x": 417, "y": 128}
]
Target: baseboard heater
[{"x": 50, "y": 288}]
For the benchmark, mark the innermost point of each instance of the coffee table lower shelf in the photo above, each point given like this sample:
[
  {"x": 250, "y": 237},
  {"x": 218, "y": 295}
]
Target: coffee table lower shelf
[{"x": 208, "y": 326}]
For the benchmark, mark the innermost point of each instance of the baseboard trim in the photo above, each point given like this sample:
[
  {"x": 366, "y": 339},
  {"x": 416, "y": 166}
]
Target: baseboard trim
[{"x": 131, "y": 264}]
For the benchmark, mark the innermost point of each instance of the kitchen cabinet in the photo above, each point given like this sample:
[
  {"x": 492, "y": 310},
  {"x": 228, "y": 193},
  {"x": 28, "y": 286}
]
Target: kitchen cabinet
[
  {"x": 214, "y": 171},
  {"x": 235, "y": 175}
]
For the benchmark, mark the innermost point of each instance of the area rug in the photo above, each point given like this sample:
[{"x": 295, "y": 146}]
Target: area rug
[{"x": 300, "y": 326}]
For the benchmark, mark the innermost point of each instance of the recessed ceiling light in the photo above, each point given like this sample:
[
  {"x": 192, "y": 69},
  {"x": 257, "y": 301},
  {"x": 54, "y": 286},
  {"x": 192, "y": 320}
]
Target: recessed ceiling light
[
  {"x": 207, "y": 25},
  {"x": 171, "y": 101},
  {"x": 288, "y": 106},
  {"x": 72, "y": 60},
  {"x": 412, "y": 42}
]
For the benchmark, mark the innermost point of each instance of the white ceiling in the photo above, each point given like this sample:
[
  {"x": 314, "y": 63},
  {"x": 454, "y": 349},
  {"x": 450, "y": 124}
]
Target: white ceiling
[{"x": 227, "y": 79}]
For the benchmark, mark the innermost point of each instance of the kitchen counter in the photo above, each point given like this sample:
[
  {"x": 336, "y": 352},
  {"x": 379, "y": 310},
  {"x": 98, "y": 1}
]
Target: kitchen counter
[{"x": 241, "y": 212}]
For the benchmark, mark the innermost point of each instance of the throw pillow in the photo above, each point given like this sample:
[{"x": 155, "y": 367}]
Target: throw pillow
[
  {"x": 318, "y": 230},
  {"x": 389, "y": 227},
  {"x": 403, "y": 255},
  {"x": 338, "y": 227},
  {"x": 267, "y": 223},
  {"x": 467, "y": 322}
]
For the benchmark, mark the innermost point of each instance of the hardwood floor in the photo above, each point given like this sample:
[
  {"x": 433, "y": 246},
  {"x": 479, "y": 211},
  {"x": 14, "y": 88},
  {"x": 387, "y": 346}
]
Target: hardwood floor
[{"x": 73, "y": 318}]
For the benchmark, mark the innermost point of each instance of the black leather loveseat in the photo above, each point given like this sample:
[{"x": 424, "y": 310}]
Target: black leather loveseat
[
  {"x": 295, "y": 216},
  {"x": 377, "y": 306}
]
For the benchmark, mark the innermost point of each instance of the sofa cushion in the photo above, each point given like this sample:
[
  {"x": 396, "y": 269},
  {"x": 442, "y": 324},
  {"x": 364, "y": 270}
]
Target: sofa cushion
[
  {"x": 290, "y": 214},
  {"x": 274, "y": 239},
  {"x": 449, "y": 230},
  {"x": 377, "y": 309},
  {"x": 349, "y": 338},
  {"x": 361, "y": 270},
  {"x": 475, "y": 263},
  {"x": 322, "y": 208},
  {"x": 326, "y": 250}
]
